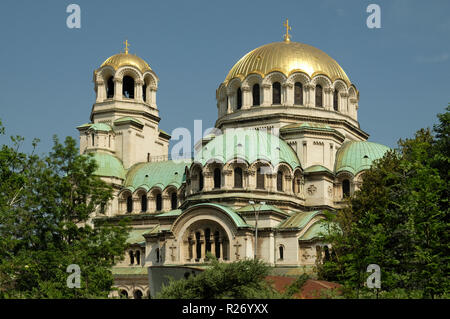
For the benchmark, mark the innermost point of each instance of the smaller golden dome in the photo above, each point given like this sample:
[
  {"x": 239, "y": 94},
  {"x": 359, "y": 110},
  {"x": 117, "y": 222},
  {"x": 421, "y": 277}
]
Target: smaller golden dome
[{"x": 122, "y": 59}]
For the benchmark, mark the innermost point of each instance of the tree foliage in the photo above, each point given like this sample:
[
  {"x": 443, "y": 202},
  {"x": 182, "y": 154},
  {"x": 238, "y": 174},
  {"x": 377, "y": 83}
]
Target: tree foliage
[
  {"x": 399, "y": 220},
  {"x": 46, "y": 208},
  {"x": 243, "y": 279}
]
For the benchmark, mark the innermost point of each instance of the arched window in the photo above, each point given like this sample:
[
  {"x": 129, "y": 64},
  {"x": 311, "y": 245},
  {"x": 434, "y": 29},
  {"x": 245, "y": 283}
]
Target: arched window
[
  {"x": 144, "y": 203},
  {"x": 200, "y": 181},
  {"x": 319, "y": 96},
  {"x": 255, "y": 92},
  {"x": 144, "y": 92},
  {"x": 129, "y": 204},
  {"x": 259, "y": 179},
  {"x": 158, "y": 202},
  {"x": 280, "y": 181},
  {"x": 335, "y": 100},
  {"x": 93, "y": 139},
  {"x": 281, "y": 250},
  {"x": 238, "y": 177},
  {"x": 276, "y": 93},
  {"x": 239, "y": 98},
  {"x": 109, "y": 140},
  {"x": 217, "y": 178},
  {"x": 157, "y": 255},
  {"x": 130, "y": 253},
  {"x": 346, "y": 187},
  {"x": 137, "y": 294},
  {"x": 138, "y": 257},
  {"x": 327, "y": 253},
  {"x": 110, "y": 88},
  {"x": 128, "y": 87},
  {"x": 173, "y": 200},
  {"x": 124, "y": 294},
  {"x": 298, "y": 93}
]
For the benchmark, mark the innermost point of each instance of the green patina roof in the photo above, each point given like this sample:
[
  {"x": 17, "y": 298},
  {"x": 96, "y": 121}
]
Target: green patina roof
[
  {"x": 136, "y": 236},
  {"x": 317, "y": 168},
  {"x": 127, "y": 119},
  {"x": 175, "y": 212},
  {"x": 101, "y": 127},
  {"x": 108, "y": 165},
  {"x": 299, "y": 219},
  {"x": 249, "y": 208},
  {"x": 161, "y": 174},
  {"x": 97, "y": 127},
  {"x": 317, "y": 230},
  {"x": 249, "y": 145},
  {"x": 356, "y": 156},
  {"x": 238, "y": 220}
]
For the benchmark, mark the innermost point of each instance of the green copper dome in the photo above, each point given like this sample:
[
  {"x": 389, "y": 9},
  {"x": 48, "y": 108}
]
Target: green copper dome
[
  {"x": 248, "y": 145},
  {"x": 356, "y": 156},
  {"x": 160, "y": 174},
  {"x": 109, "y": 165}
]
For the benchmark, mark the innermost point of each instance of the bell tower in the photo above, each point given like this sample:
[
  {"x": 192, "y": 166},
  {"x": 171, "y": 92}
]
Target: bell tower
[{"x": 125, "y": 117}]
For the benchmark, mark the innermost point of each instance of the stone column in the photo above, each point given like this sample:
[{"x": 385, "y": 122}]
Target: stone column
[
  {"x": 138, "y": 91},
  {"x": 344, "y": 103},
  {"x": 118, "y": 89},
  {"x": 266, "y": 100},
  {"x": 152, "y": 96},
  {"x": 165, "y": 203},
  {"x": 249, "y": 180},
  {"x": 246, "y": 94},
  {"x": 288, "y": 98},
  {"x": 288, "y": 183},
  {"x": 227, "y": 179},
  {"x": 328, "y": 98},
  {"x": 207, "y": 181},
  {"x": 309, "y": 95},
  {"x": 203, "y": 241},
  {"x": 101, "y": 93}
]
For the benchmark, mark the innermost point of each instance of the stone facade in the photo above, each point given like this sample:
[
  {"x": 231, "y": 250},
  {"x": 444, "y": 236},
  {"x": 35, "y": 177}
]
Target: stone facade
[{"x": 257, "y": 188}]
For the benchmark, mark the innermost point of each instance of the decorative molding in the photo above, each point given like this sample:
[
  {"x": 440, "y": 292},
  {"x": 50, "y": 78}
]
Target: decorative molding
[{"x": 312, "y": 189}]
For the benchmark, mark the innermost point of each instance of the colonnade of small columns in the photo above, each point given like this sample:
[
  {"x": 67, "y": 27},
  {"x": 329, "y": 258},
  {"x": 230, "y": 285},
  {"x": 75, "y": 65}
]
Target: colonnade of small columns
[
  {"x": 345, "y": 105},
  {"x": 198, "y": 245},
  {"x": 150, "y": 92},
  {"x": 249, "y": 181}
]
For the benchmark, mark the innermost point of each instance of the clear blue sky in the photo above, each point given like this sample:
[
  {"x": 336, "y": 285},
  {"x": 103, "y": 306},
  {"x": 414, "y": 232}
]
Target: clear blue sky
[{"x": 401, "y": 70}]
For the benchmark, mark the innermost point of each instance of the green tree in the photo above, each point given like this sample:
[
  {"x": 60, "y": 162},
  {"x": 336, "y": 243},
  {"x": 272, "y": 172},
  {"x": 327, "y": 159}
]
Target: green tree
[
  {"x": 46, "y": 209},
  {"x": 244, "y": 279},
  {"x": 399, "y": 220}
]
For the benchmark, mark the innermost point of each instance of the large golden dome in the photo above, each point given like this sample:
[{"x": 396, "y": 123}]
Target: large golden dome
[
  {"x": 287, "y": 57},
  {"x": 121, "y": 59}
]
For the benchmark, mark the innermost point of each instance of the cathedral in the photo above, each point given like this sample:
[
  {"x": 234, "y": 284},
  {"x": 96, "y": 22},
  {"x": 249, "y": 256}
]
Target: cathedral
[{"x": 288, "y": 148}]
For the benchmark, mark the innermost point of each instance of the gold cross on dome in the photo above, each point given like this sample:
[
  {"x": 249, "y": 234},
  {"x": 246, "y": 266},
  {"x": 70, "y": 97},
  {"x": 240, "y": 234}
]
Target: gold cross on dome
[
  {"x": 126, "y": 46},
  {"x": 287, "y": 36}
]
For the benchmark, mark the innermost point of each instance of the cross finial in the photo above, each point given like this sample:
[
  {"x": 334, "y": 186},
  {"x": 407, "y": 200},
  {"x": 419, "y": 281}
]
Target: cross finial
[
  {"x": 126, "y": 46},
  {"x": 287, "y": 36}
]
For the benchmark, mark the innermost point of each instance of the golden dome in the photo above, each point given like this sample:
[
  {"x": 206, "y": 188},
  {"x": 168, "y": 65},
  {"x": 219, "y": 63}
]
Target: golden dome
[
  {"x": 287, "y": 57},
  {"x": 121, "y": 59}
]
